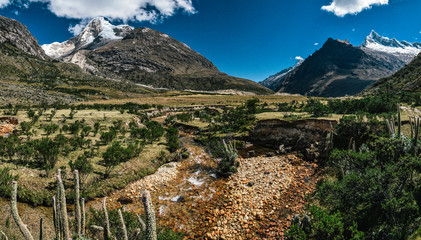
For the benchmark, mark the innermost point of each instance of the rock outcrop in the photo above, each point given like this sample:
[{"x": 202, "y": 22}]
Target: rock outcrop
[
  {"x": 17, "y": 34},
  {"x": 308, "y": 136}
]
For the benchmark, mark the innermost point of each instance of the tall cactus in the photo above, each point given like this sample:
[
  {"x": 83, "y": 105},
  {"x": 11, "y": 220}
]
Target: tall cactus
[
  {"x": 40, "y": 229},
  {"x": 3, "y": 235},
  {"x": 78, "y": 217},
  {"x": 107, "y": 231},
  {"x": 63, "y": 207},
  {"x": 142, "y": 223},
  {"x": 56, "y": 219},
  {"x": 123, "y": 225},
  {"x": 150, "y": 233},
  {"x": 82, "y": 203},
  {"x": 13, "y": 205}
]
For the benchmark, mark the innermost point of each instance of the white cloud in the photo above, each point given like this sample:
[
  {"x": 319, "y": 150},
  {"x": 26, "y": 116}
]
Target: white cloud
[
  {"x": 299, "y": 58},
  {"x": 77, "y": 28},
  {"x": 316, "y": 44},
  {"x": 4, "y": 3},
  {"x": 343, "y": 7},
  {"x": 125, "y": 10}
]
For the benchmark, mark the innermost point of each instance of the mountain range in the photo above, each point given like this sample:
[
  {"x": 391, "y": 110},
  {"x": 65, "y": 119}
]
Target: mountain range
[
  {"x": 144, "y": 56},
  {"x": 118, "y": 61},
  {"x": 339, "y": 68}
]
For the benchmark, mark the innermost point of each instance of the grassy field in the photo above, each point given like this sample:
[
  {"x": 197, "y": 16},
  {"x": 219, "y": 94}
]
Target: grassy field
[
  {"x": 178, "y": 99},
  {"x": 34, "y": 180}
]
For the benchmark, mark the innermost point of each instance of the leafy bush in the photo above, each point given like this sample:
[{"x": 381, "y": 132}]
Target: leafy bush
[
  {"x": 172, "y": 139},
  {"x": 6, "y": 179},
  {"x": 48, "y": 151},
  {"x": 83, "y": 165},
  {"x": 378, "y": 189},
  {"x": 319, "y": 224},
  {"x": 316, "y": 108}
]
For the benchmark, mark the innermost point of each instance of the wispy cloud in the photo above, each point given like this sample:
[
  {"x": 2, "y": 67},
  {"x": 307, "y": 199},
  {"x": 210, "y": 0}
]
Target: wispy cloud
[
  {"x": 316, "y": 44},
  {"x": 343, "y": 7},
  {"x": 4, "y": 3}
]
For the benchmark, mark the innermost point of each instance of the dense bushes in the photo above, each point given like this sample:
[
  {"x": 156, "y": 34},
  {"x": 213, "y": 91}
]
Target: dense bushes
[
  {"x": 359, "y": 129},
  {"x": 320, "y": 224},
  {"x": 379, "y": 188}
]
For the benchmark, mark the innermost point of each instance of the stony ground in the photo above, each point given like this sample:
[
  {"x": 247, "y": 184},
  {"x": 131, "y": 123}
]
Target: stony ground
[{"x": 255, "y": 203}]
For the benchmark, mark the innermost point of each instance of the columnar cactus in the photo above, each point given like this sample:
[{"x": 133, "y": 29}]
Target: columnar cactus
[
  {"x": 107, "y": 231},
  {"x": 56, "y": 218},
  {"x": 3, "y": 235},
  {"x": 82, "y": 203},
  {"x": 40, "y": 229},
  {"x": 13, "y": 205},
  {"x": 123, "y": 225},
  {"x": 63, "y": 209},
  {"x": 150, "y": 233},
  {"x": 78, "y": 217},
  {"x": 142, "y": 223}
]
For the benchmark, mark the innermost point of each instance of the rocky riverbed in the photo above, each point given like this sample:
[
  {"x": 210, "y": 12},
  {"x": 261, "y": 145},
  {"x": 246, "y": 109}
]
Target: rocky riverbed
[{"x": 258, "y": 202}]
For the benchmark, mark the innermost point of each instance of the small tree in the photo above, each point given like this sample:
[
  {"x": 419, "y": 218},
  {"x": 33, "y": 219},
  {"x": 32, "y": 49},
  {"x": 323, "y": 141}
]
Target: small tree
[
  {"x": 107, "y": 137},
  {"x": 97, "y": 126},
  {"x": 10, "y": 145},
  {"x": 51, "y": 128},
  {"x": 156, "y": 130},
  {"x": 172, "y": 139},
  {"x": 113, "y": 156},
  {"x": 48, "y": 150},
  {"x": 26, "y": 128},
  {"x": 85, "y": 131},
  {"x": 83, "y": 165}
]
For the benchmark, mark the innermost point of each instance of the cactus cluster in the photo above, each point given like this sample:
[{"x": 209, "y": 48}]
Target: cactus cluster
[{"x": 61, "y": 222}]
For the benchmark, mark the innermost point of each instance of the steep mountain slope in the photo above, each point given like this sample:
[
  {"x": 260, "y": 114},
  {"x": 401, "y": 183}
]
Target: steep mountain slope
[
  {"x": 275, "y": 80},
  {"x": 15, "y": 33},
  {"x": 406, "y": 79},
  {"x": 339, "y": 69},
  {"x": 148, "y": 57},
  {"x": 27, "y": 75}
]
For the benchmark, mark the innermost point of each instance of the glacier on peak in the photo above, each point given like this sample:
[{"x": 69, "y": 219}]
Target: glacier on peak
[
  {"x": 379, "y": 43},
  {"x": 97, "y": 30}
]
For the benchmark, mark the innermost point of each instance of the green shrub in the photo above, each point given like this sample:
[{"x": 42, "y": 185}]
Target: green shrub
[
  {"x": 172, "y": 139},
  {"x": 320, "y": 224}
]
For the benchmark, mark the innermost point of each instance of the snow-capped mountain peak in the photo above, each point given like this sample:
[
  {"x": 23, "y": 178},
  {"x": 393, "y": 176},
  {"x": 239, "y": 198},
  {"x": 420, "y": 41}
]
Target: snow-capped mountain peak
[
  {"x": 384, "y": 44},
  {"x": 275, "y": 80},
  {"x": 97, "y": 30}
]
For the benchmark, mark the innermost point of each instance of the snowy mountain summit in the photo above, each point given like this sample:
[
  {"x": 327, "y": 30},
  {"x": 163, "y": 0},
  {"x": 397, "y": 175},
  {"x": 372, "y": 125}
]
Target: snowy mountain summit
[
  {"x": 96, "y": 33},
  {"x": 379, "y": 43}
]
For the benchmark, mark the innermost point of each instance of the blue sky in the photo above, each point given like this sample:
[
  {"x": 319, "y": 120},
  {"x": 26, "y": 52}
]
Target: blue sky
[{"x": 244, "y": 38}]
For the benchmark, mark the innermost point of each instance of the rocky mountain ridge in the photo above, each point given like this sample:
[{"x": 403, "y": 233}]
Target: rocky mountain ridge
[
  {"x": 17, "y": 34},
  {"x": 273, "y": 81},
  {"x": 339, "y": 68},
  {"x": 146, "y": 56}
]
